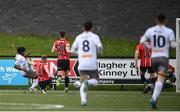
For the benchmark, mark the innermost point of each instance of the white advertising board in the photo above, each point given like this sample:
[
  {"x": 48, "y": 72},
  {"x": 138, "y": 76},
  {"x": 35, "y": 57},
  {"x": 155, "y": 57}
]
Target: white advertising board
[{"x": 111, "y": 71}]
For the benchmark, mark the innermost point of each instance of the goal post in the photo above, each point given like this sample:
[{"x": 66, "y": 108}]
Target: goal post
[{"x": 178, "y": 55}]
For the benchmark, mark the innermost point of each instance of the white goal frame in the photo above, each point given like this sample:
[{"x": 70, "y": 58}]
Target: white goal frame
[{"x": 178, "y": 55}]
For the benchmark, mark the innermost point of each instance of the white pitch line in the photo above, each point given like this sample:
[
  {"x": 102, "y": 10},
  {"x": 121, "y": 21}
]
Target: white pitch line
[{"x": 34, "y": 105}]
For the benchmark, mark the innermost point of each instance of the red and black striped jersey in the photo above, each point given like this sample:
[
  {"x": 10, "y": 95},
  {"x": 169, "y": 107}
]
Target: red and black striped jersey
[
  {"x": 62, "y": 47},
  {"x": 145, "y": 55}
]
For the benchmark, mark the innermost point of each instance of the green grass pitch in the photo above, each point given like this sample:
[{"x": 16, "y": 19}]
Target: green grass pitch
[
  {"x": 41, "y": 45},
  {"x": 20, "y": 100}
]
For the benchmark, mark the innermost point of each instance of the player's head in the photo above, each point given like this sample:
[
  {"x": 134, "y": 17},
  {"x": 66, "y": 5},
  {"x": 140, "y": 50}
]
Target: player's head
[
  {"x": 88, "y": 26},
  {"x": 62, "y": 34},
  {"x": 161, "y": 18},
  {"x": 44, "y": 58},
  {"x": 21, "y": 50}
]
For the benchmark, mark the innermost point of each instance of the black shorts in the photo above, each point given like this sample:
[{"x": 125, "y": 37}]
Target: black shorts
[
  {"x": 63, "y": 65},
  {"x": 160, "y": 64},
  {"x": 93, "y": 74},
  {"x": 43, "y": 84},
  {"x": 146, "y": 69}
]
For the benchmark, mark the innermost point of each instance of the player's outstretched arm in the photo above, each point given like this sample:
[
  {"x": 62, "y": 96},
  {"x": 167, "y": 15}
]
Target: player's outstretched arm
[
  {"x": 30, "y": 61},
  {"x": 172, "y": 40},
  {"x": 53, "y": 49},
  {"x": 74, "y": 47},
  {"x": 136, "y": 58},
  {"x": 173, "y": 44},
  {"x": 73, "y": 51},
  {"x": 29, "y": 53},
  {"x": 99, "y": 45},
  {"x": 100, "y": 50}
]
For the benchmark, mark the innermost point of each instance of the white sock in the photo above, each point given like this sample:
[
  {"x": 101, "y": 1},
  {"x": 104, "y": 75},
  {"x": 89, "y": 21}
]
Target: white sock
[
  {"x": 82, "y": 93},
  {"x": 34, "y": 83},
  {"x": 92, "y": 82},
  {"x": 157, "y": 90}
]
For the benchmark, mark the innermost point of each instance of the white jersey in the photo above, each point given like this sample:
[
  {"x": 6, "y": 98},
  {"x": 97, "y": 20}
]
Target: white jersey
[
  {"x": 22, "y": 62},
  {"x": 160, "y": 37},
  {"x": 86, "y": 45}
]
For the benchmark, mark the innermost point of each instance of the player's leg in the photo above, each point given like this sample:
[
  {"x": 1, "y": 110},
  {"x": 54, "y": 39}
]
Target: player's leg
[
  {"x": 49, "y": 83},
  {"x": 46, "y": 83},
  {"x": 143, "y": 79},
  {"x": 152, "y": 79},
  {"x": 34, "y": 84},
  {"x": 31, "y": 74},
  {"x": 87, "y": 78},
  {"x": 142, "y": 74},
  {"x": 66, "y": 81},
  {"x": 161, "y": 64},
  {"x": 59, "y": 71},
  {"x": 59, "y": 77},
  {"x": 42, "y": 86},
  {"x": 150, "y": 86},
  {"x": 158, "y": 85},
  {"x": 84, "y": 87},
  {"x": 157, "y": 90},
  {"x": 94, "y": 76},
  {"x": 66, "y": 68}
]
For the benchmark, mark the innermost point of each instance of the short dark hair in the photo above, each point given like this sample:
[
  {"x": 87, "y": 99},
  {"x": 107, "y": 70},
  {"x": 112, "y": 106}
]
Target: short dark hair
[
  {"x": 20, "y": 50},
  {"x": 88, "y": 25},
  {"x": 161, "y": 17},
  {"x": 62, "y": 34}
]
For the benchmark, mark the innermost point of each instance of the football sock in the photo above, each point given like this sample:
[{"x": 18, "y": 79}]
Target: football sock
[
  {"x": 157, "y": 90},
  {"x": 59, "y": 77},
  {"x": 34, "y": 83},
  {"x": 66, "y": 82},
  {"x": 143, "y": 79},
  {"x": 83, "y": 94},
  {"x": 93, "y": 82}
]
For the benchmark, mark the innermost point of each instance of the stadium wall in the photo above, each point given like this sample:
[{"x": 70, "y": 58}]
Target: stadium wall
[{"x": 112, "y": 18}]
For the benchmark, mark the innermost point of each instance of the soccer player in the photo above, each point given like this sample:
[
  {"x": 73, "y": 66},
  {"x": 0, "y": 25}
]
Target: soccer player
[
  {"x": 43, "y": 74},
  {"x": 171, "y": 77},
  {"x": 86, "y": 46},
  {"x": 22, "y": 65},
  {"x": 145, "y": 65},
  {"x": 161, "y": 38},
  {"x": 61, "y": 46}
]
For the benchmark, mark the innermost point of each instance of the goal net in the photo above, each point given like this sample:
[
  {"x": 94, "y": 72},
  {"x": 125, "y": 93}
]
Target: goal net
[{"x": 178, "y": 55}]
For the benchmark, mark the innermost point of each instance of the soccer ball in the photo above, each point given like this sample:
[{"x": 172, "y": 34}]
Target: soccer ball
[
  {"x": 77, "y": 84},
  {"x": 168, "y": 82}
]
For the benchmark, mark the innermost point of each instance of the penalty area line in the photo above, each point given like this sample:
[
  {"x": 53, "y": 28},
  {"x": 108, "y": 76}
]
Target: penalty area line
[{"x": 31, "y": 106}]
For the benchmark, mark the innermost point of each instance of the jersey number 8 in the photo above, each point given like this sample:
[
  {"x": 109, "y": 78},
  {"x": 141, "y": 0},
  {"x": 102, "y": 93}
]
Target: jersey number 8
[{"x": 86, "y": 46}]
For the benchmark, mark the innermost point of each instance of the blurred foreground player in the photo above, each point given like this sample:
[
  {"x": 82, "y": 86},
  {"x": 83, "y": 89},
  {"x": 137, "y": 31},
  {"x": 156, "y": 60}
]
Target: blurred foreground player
[
  {"x": 86, "y": 46},
  {"x": 22, "y": 65},
  {"x": 161, "y": 38},
  {"x": 61, "y": 46}
]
